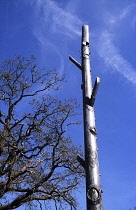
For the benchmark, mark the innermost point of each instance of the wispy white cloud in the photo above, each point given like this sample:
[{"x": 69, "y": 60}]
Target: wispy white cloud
[
  {"x": 134, "y": 22},
  {"x": 118, "y": 17},
  {"x": 51, "y": 20},
  {"x": 107, "y": 50},
  {"x": 123, "y": 14},
  {"x": 47, "y": 44},
  {"x": 59, "y": 19},
  {"x": 113, "y": 58},
  {"x": 64, "y": 20}
]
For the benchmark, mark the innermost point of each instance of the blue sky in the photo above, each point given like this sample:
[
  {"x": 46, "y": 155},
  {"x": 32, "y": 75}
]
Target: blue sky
[{"x": 51, "y": 30}]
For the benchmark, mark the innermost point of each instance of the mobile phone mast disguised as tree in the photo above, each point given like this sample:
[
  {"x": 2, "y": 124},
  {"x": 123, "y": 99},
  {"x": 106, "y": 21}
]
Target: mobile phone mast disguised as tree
[{"x": 90, "y": 164}]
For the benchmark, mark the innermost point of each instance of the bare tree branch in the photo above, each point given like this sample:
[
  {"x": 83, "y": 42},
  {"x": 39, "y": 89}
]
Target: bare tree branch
[{"x": 37, "y": 158}]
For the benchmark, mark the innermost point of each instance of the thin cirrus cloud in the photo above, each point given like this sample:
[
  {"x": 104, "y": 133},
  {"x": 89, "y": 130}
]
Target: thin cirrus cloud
[
  {"x": 65, "y": 21},
  {"x": 134, "y": 22},
  {"x": 113, "y": 58},
  {"x": 51, "y": 21},
  {"x": 126, "y": 11},
  {"x": 117, "y": 18},
  {"x": 109, "y": 52},
  {"x": 59, "y": 19}
]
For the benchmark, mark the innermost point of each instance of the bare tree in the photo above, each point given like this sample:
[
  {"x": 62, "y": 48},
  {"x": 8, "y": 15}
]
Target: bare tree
[{"x": 37, "y": 157}]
